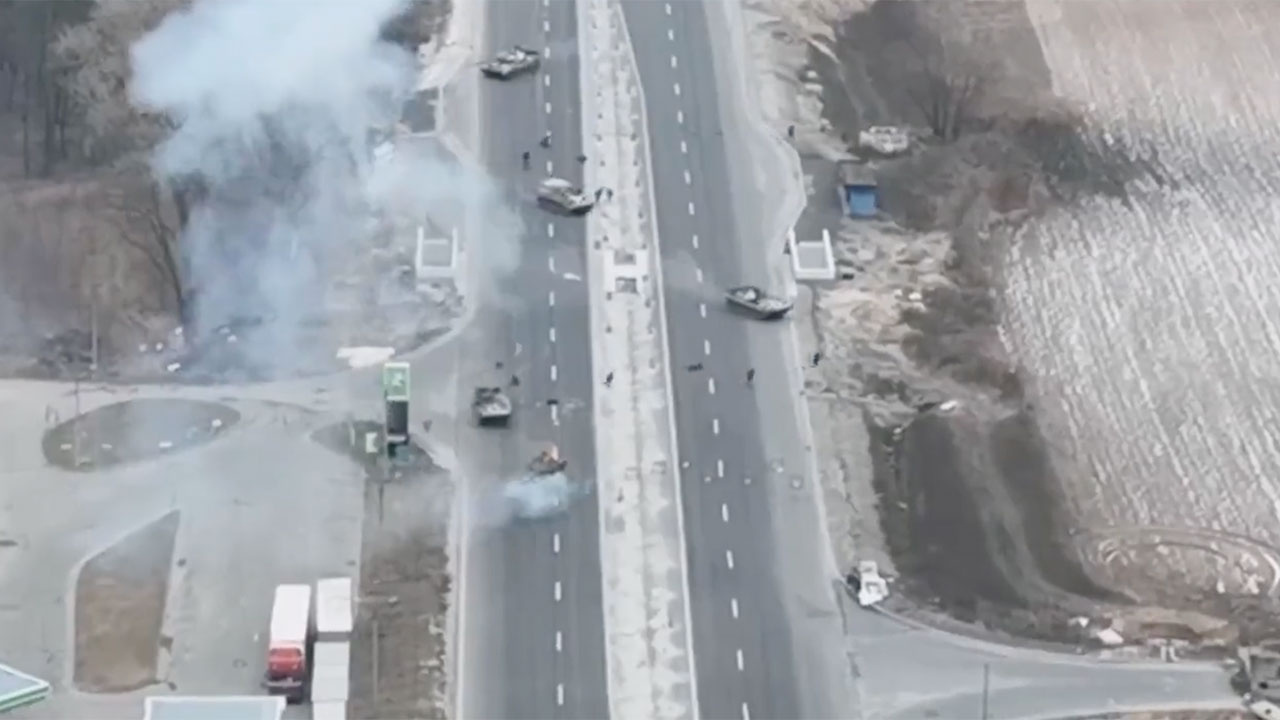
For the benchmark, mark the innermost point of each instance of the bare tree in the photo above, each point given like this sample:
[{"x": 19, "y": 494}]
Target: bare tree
[
  {"x": 938, "y": 76},
  {"x": 147, "y": 221}
]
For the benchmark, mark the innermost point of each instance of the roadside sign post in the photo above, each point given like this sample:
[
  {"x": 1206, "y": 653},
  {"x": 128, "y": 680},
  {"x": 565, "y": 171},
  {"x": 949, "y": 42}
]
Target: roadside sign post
[{"x": 395, "y": 395}]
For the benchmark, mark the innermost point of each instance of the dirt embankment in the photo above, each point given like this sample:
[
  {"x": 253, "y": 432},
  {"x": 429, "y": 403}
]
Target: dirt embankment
[
  {"x": 120, "y": 604},
  {"x": 970, "y": 507}
]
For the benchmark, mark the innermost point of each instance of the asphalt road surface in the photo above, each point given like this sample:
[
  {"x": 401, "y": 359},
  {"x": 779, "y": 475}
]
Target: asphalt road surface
[
  {"x": 534, "y": 624},
  {"x": 764, "y": 617}
]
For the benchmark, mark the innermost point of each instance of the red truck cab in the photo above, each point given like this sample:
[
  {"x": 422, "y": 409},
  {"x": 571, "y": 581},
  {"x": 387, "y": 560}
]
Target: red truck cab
[{"x": 288, "y": 644}]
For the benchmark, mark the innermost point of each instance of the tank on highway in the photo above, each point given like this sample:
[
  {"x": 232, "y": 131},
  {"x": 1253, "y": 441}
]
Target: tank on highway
[
  {"x": 510, "y": 63},
  {"x": 548, "y": 462},
  {"x": 757, "y": 302},
  {"x": 491, "y": 406},
  {"x": 563, "y": 196}
]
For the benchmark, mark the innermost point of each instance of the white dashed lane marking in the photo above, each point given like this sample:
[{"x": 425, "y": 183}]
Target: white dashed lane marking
[
  {"x": 688, "y": 179},
  {"x": 690, "y": 207},
  {"x": 719, "y": 467},
  {"x": 555, "y": 415},
  {"x": 547, "y": 106},
  {"x": 676, "y": 87},
  {"x": 551, "y": 261},
  {"x": 706, "y": 478},
  {"x": 740, "y": 663},
  {"x": 546, "y": 52},
  {"x": 724, "y": 515},
  {"x": 555, "y": 544},
  {"x": 671, "y": 35},
  {"x": 680, "y": 116},
  {"x": 706, "y": 347},
  {"x": 549, "y": 167},
  {"x": 546, "y": 81},
  {"x": 551, "y": 229},
  {"x": 546, "y": 26},
  {"x": 733, "y": 607},
  {"x": 674, "y": 62},
  {"x": 698, "y": 273},
  {"x": 695, "y": 242},
  {"x": 551, "y": 298},
  {"x": 684, "y": 148},
  {"x": 711, "y": 386},
  {"x": 668, "y": 8},
  {"x": 715, "y": 426},
  {"x": 553, "y": 373},
  {"x": 559, "y": 592},
  {"x": 559, "y": 641},
  {"x": 702, "y": 309},
  {"x": 560, "y": 694},
  {"x": 551, "y": 334},
  {"x": 746, "y": 712},
  {"x": 728, "y": 558}
]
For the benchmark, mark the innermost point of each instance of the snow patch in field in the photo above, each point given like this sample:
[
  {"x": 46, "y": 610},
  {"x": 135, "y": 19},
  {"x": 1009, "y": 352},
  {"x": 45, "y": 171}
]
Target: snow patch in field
[{"x": 1152, "y": 323}]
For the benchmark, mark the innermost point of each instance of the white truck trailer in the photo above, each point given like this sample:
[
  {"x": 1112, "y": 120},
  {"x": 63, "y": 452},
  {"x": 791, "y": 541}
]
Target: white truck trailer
[
  {"x": 330, "y": 680},
  {"x": 286, "y": 672}
]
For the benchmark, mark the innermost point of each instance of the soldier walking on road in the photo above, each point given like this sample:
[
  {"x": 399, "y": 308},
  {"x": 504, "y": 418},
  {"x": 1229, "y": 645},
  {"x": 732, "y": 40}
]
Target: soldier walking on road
[
  {"x": 599, "y": 192},
  {"x": 545, "y": 141},
  {"x": 608, "y": 379},
  {"x": 817, "y": 357},
  {"x": 524, "y": 158},
  {"x": 751, "y": 376},
  {"x": 515, "y": 381}
]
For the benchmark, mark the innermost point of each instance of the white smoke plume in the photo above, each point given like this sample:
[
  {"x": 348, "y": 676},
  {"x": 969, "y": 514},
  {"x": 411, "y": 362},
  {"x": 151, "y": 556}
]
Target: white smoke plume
[{"x": 273, "y": 103}]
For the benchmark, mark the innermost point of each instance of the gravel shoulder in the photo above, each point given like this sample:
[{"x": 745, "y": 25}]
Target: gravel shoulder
[{"x": 119, "y": 608}]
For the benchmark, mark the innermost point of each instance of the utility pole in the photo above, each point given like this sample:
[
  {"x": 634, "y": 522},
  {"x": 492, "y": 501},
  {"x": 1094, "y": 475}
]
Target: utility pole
[{"x": 986, "y": 687}]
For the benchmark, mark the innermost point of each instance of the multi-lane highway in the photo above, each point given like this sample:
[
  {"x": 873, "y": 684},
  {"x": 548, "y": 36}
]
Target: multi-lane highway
[
  {"x": 764, "y": 620},
  {"x": 533, "y": 625}
]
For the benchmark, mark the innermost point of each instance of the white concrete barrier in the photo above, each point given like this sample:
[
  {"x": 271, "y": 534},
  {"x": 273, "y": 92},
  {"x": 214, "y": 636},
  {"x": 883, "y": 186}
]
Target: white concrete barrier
[{"x": 648, "y": 652}]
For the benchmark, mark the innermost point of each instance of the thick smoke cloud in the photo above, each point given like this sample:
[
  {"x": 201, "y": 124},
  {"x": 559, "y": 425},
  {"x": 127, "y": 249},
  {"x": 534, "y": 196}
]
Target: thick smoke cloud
[{"x": 273, "y": 103}]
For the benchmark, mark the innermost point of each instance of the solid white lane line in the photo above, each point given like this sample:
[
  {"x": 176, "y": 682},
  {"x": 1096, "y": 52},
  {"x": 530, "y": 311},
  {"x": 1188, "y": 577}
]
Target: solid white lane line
[
  {"x": 698, "y": 272},
  {"x": 715, "y": 428},
  {"x": 549, "y": 166},
  {"x": 553, "y": 373},
  {"x": 724, "y": 512},
  {"x": 546, "y": 81},
  {"x": 559, "y": 641},
  {"x": 551, "y": 333},
  {"x": 733, "y": 607},
  {"x": 672, "y": 36},
  {"x": 684, "y": 148},
  {"x": 690, "y": 207},
  {"x": 559, "y": 593},
  {"x": 719, "y": 467},
  {"x": 702, "y": 308},
  {"x": 668, "y": 8},
  {"x": 555, "y": 543},
  {"x": 706, "y": 347},
  {"x": 551, "y": 261},
  {"x": 551, "y": 298},
  {"x": 555, "y": 414},
  {"x": 711, "y": 386},
  {"x": 728, "y": 558},
  {"x": 688, "y": 179},
  {"x": 547, "y": 105},
  {"x": 560, "y": 694},
  {"x": 551, "y": 229},
  {"x": 680, "y": 117},
  {"x": 740, "y": 663},
  {"x": 746, "y": 712},
  {"x": 695, "y": 242},
  {"x": 676, "y": 87}
]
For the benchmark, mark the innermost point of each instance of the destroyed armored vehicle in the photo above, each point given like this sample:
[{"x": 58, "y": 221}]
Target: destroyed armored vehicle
[
  {"x": 491, "y": 406},
  {"x": 548, "y": 462},
  {"x": 757, "y": 302},
  {"x": 561, "y": 195},
  {"x": 510, "y": 63}
]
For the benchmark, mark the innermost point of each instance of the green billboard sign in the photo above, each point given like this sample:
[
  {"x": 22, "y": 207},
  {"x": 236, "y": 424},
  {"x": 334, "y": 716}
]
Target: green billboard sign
[{"x": 395, "y": 381}]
